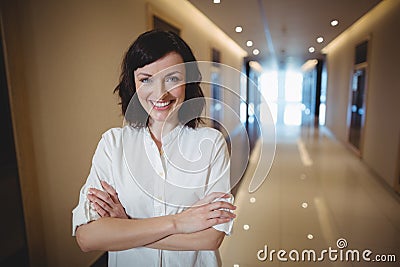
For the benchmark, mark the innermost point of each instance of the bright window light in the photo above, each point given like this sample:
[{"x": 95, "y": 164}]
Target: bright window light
[
  {"x": 269, "y": 91},
  {"x": 322, "y": 111},
  {"x": 292, "y": 114},
  {"x": 269, "y": 85},
  {"x": 243, "y": 108},
  {"x": 293, "y": 86}
]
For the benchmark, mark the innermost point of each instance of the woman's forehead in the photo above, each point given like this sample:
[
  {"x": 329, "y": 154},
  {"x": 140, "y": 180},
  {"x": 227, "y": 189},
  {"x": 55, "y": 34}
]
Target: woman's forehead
[{"x": 171, "y": 62}]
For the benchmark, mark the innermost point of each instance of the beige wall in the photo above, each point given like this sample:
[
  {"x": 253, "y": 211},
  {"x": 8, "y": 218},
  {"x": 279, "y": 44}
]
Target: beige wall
[
  {"x": 382, "y": 128},
  {"x": 63, "y": 60}
]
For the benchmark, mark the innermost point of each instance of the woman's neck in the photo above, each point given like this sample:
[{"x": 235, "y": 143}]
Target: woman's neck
[{"x": 160, "y": 129}]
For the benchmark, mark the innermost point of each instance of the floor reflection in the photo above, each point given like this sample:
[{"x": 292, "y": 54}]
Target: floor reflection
[{"x": 334, "y": 201}]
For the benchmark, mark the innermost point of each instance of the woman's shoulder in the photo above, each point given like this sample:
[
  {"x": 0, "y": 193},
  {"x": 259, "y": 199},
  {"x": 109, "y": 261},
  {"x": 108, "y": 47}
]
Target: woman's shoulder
[
  {"x": 113, "y": 136},
  {"x": 204, "y": 131}
]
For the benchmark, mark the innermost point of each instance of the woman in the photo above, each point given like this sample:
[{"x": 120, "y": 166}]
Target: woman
[{"x": 152, "y": 198}]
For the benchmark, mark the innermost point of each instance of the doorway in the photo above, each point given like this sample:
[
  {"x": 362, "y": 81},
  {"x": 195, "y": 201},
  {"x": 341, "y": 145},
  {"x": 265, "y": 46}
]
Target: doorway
[
  {"x": 357, "y": 109},
  {"x": 357, "y": 106},
  {"x": 253, "y": 104}
]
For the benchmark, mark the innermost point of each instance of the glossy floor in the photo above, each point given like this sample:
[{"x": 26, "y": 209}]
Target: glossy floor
[{"x": 318, "y": 196}]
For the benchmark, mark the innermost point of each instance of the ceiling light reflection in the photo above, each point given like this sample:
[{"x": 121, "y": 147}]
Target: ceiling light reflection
[{"x": 334, "y": 23}]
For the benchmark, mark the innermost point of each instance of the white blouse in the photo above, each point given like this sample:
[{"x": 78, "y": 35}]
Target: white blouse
[{"x": 193, "y": 163}]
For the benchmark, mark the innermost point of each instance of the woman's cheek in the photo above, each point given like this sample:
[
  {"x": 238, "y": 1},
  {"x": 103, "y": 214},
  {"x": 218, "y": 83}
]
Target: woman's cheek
[{"x": 178, "y": 92}]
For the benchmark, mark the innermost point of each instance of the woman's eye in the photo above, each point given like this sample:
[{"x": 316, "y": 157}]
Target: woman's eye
[
  {"x": 172, "y": 79},
  {"x": 145, "y": 80}
]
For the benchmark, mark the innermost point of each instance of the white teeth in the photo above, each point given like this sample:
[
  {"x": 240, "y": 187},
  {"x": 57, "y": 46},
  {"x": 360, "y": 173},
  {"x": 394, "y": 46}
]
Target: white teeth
[{"x": 161, "y": 104}]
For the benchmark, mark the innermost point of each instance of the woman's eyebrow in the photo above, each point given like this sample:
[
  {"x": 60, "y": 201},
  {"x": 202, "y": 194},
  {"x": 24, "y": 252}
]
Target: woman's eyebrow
[
  {"x": 144, "y": 74},
  {"x": 150, "y": 75},
  {"x": 174, "y": 72}
]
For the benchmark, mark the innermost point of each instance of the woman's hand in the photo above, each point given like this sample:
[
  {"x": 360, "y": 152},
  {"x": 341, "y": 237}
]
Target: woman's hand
[
  {"x": 106, "y": 203},
  {"x": 204, "y": 214}
]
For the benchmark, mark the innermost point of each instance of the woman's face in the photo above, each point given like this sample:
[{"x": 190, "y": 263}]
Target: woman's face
[{"x": 160, "y": 87}]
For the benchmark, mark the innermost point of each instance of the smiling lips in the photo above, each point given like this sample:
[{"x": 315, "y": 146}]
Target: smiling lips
[{"x": 161, "y": 105}]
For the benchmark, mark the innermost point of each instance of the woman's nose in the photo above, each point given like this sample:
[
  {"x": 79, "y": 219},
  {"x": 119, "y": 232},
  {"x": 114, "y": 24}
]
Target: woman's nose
[{"x": 160, "y": 89}]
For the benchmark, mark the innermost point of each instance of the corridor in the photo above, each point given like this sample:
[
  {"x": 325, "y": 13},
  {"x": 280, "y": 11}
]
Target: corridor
[
  {"x": 332, "y": 195},
  {"x": 311, "y": 205}
]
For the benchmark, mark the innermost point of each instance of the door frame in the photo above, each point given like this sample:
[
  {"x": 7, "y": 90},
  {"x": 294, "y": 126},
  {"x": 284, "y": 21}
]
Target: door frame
[{"x": 364, "y": 65}]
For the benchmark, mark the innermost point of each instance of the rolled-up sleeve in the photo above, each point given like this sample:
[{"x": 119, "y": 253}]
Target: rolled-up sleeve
[{"x": 100, "y": 170}]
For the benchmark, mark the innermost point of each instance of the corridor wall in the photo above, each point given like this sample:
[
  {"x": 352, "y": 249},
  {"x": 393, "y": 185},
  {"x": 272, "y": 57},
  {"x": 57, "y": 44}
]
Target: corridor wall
[{"x": 382, "y": 125}]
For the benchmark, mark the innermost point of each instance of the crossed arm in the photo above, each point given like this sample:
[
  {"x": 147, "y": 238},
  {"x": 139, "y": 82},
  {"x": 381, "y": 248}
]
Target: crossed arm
[{"x": 188, "y": 230}]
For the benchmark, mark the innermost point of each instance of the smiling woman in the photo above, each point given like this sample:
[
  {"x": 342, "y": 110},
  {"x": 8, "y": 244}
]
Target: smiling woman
[
  {"x": 138, "y": 69},
  {"x": 151, "y": 198},
  {"x": 161, "y": 89}
]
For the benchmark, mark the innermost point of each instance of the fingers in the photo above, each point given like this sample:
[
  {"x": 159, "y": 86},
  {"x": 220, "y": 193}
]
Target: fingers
[
  {"x": 100, "y": 206},
  {"x": 111, "y": 191},
  {"x": 104, "y": 196},
  {"x": 221, "y": 205},
  {"x": 221, "y": 214},
  {"x": 106, "y": 203},
  {"x": 100, "y": 210}
]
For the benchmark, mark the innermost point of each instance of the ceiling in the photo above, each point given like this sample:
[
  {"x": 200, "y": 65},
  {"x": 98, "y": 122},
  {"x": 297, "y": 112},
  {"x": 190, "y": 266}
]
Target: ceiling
[{"x": 283, "y": 30}]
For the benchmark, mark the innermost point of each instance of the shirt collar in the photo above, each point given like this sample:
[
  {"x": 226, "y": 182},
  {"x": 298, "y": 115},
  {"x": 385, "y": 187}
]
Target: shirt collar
[{"x": 168, "y": 138}]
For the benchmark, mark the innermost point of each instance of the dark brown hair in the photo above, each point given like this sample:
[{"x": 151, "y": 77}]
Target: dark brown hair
[{"x": 148, "y": 48}]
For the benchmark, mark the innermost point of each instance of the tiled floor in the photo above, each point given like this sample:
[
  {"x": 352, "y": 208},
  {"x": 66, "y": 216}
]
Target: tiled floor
[{"x": 309, "y": 205}]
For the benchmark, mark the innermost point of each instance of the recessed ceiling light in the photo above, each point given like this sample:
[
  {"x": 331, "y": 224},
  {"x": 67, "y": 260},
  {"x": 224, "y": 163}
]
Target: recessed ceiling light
[
  {"x": 334, "y": 22},
  {"x": 320, "y": 39},
  {"x": 311, "y": 49},
  {"x": 238, "y": 29},
  {"x": 217, "y": 1},
  {"x": 249, "y": 43},
  {"x": 256, "y": 52}
]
